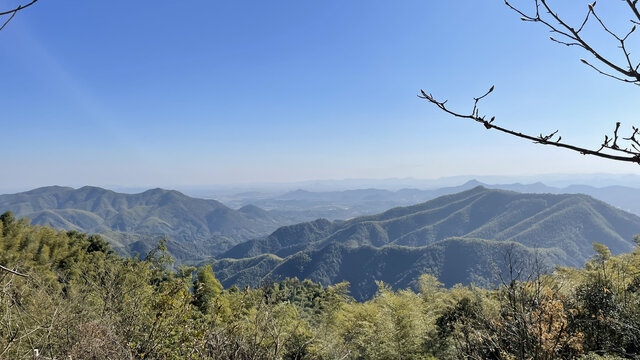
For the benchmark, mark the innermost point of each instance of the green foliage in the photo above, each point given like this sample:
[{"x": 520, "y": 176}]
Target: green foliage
[
  {"x": 81, "y": 300},
  {"x": 206, "y": 288}
]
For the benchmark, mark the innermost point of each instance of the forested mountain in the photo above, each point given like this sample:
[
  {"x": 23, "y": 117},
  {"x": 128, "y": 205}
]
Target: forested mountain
[
  {"x": 460, "y": 238},
  {"x": 133, "y": 222},
  {"x": 453, "y": 261}
]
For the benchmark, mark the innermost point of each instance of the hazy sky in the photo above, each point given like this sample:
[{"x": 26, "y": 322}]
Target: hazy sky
[{"x": 166, "y": 93}]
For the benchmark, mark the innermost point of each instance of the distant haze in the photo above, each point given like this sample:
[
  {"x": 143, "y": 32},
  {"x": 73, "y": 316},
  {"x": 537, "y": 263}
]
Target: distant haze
[{"x": 220, "y": 190}]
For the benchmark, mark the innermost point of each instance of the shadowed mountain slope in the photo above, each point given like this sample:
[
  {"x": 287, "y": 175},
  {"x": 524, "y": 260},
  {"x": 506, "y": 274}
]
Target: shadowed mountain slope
[{"x": 453, "y": 261}]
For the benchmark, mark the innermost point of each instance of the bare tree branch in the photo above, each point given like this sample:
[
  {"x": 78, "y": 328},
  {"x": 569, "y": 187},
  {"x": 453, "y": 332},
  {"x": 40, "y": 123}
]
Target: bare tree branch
[
  {"x": 9, "y": 19},
  {"x": 609, "y": 143},
  {"x": 13, "y": 12},
  {"x": 20, "y": 7},
  {"x": 612, "y": 148},
  {"x": 633, "y": 4},
  {"x": 557, "y": 25}
]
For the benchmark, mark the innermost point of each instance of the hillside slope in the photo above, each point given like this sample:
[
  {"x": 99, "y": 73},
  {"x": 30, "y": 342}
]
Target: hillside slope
[{"x": 133, "y": 222}]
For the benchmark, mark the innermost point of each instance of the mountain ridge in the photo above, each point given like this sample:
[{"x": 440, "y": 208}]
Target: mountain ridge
[
  {"x": 344, "y": 204},
  {"x": 560, "y": 228},
  {"x": 125, "y": 219}
]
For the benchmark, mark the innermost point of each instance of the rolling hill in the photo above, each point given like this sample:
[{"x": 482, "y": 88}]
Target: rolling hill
[{"x": 133, "y": 222}]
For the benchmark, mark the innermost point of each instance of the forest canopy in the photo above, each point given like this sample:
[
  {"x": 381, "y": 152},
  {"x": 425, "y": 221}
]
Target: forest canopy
[{"x": 79, "y": 299}]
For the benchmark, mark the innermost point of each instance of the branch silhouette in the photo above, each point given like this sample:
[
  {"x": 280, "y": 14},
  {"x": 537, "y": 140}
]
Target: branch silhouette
[
  {"x": 610, "y": 143},
  {"x": 13, "y": 12},
  {"x": 626, "y": 70}
]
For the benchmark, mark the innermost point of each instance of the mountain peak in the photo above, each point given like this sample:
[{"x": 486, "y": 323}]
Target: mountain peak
[{"x": 473, "y": 182}]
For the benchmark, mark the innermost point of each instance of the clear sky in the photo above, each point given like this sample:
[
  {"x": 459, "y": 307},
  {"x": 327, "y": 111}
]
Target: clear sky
[{"x": 167, "y": 93}]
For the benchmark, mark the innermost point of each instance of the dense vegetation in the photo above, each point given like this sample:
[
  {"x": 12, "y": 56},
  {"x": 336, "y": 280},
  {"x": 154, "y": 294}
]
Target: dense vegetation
[{"x": 79, "y": 299}]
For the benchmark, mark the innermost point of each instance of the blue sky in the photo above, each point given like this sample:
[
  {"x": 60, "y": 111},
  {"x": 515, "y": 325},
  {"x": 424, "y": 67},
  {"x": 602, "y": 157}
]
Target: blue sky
[{"x": 172, "y": 94}]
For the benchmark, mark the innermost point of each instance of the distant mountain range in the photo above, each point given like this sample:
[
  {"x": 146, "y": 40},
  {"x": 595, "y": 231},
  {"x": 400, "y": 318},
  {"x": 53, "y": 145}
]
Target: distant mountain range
[
  {"x": 224, "y": 193},
  {"x": 133, "y": 222},
  {"x": 305, "y": 205},
  {"x": 461, "y": 238}
]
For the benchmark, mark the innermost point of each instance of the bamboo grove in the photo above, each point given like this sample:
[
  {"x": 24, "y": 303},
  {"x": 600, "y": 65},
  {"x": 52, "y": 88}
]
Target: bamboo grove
[{"x": 68, "y": 296}]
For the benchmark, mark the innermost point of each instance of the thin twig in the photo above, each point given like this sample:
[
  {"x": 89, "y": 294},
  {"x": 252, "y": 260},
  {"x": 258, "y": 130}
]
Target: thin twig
[
  {"x": 18, "y": 8},
  {"x": 14, "y": 12},
  {"x": 541, "y": 139},
  {"x": 12, "y": 271},
  {"x": 559, "y": 26},
  {"x": 9, "y": 19}
]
